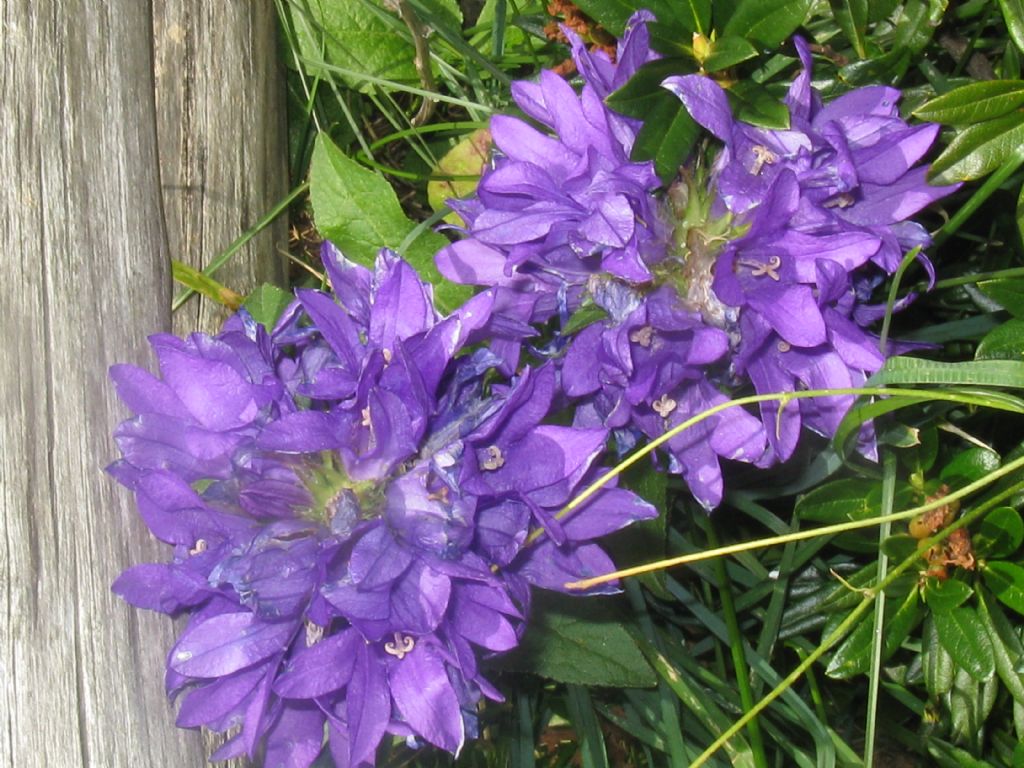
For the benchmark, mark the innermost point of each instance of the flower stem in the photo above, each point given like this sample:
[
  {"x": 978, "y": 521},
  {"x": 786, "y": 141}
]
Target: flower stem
[
  {"x": 850, "y": 621},
  {"x": 739, "y": 657},
  {"x": 827, "y": 530},
  {"x": 983, "y": 193}
]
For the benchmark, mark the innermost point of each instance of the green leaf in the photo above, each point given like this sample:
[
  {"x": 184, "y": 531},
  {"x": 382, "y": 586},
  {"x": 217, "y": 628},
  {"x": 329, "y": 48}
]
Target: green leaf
[
  {"x": 844, "y": 500},
  {"x": 938, "y": 664},
  {"x": 467, "y": 158},
  {"x": 1005, "y": 342},
  {"x": 355, "y": 37},
  {"x": 1006, "y": 645},
  {"x": 900, "y": 546},
  {"x": 580, "y": 640},
  {"x": 962, "y": 634},
  {"x": 643, "y": 92},
  {"x": 767, "y": 22},
  {"x": 755, "y": 104},
  {"x": 968, "y": 466},
  {"x": 999, "y": 534},
  {"x": 915, "y": 370},
  {"x": 974, "y": 103},
  {"x": 853, "y": 656},
  {"x": 852, "y": 18},
  {"x": 588, "y": 314},
  {"x": 266, "y": 304},
  {"x": 1013, "y": 15},
  {"x": 728, "y": 52},
  {"x": 667, "y": 137},
  {"x": 979, "y": 149},
  {"x": 1006, "y": 580},
  {"x": 357, "y": 210},
  {"x": 942, "y": 596},
  {"x": 1007, "y": 293}
]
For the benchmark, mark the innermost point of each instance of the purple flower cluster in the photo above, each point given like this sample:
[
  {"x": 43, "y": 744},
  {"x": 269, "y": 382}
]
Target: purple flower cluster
[
  {"x": 753, "y": 274},
  {"x": 354, "y": 519}
]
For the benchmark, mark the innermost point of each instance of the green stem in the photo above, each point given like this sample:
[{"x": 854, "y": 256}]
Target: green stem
[
  {"x": 783, "y": 397},
  {"x": 851, "y": 621},
  {"x": 813, "y": 533},
  {"x": 977, "y": 277},
  {"x": 878, "y": 639},
  {"x": 222, "y": 258},
  {"x": 909, "y": 259},
  {"x": 983, "y": 193},
  {"x": 739, "y": 657}
]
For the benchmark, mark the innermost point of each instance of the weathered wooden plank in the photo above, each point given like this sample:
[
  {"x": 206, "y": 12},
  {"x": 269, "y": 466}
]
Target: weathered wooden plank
[
  {"x": 84, "y": 279},
  {"x": 221, "y": 137}
]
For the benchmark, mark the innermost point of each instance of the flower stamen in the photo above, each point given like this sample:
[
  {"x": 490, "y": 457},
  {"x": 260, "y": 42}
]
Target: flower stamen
[
  {"x": 758, "y": 268},
  {"x": 642, "y": 336},
  {"x": 783, "y": 346},
  {"x": 762, "y": 157},
  {"x": 402, "y": 645},
  {"x": 199, "y": 547},
  {"x": 842, "y": 200},
  {"x": 494, "y": 459},
  {"x": 314, "y": 633},
  {"x": 664, "y": 405}
]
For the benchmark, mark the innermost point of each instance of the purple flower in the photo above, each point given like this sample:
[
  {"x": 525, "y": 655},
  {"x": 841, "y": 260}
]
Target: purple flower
[
  {"x": 354, "y": 523},
  {"x": 752, "y": 274},
  {"x": 808, "y": 215}
]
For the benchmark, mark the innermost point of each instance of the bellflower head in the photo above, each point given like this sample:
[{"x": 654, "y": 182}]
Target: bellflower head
[
  {"x": 803, "y": 218},
  {"x": 751, "y": 273},
  {"x": 354, "y": 521},
  {"x": 555, "y": 209}
]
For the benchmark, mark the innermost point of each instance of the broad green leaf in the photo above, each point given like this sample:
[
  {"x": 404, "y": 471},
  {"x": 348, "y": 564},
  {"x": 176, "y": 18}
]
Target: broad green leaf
[
  {"x": 1006, "y": 581},
  {"x": 843, "y": 500},
  {"x": 840, "y": 501},
  {"x": 753, "y": 103},
  {"x": 190, "y": 277},
  {"x": 938, "y": 664},
  {"x": 979, "y": 149},
  {"x": 974, "y": 103},
  {"x": 355, "y": 37},
  {"x": 728, "y": 52},
  {"x": 853, "y": 654},
  {"x": 357, "y": 210},
  {"x": 1013, "y": 15},
  {"x": 943, "y": 595},
  {"x": 580, "y": 641},
  {"x": 643, "y": 91},
  {"x": 914, "y": 370},
  {"x": 767, "y": 22},
  {"x": 666, "y": 138},
  {"x": 852, "y": 18},
  {"x": 999, "y": 534},
  {"x": 1020, "y": 212},
  {"x": 467, "y": 158},
  {"x": 969, "y": 465},
  {"x": 266, "y": 304},
  {"x": 1005, "y": 342},
  {"x": 900, "y": 546},
  {"x": 1007, "y": 293},
  {"x": 1006, "y": 645},
  {"x": 962, "y": 634}
]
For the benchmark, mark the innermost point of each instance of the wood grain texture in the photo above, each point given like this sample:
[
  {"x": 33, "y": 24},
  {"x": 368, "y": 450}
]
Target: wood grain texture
[
  {"x": 221, "y": 138},
  {"x": 84, "y": 278}
]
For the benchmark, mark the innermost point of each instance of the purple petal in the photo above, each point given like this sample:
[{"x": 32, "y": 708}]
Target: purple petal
[
  {"x": 143, "y": 392},
  {"x": 424, "y": 696},
  {"x": 227, "y": 643},
  {"x": 368, "y": 707},
  {"x": 320, "y": 669},
  {"x": 792, "y": 311},
  {"x": 552, "y": 567},
  {"x": 211, "y": 704},
  {"x": 296, "y": 737},
  {"x": 706, "y": 102},
  {"x": 609, "y": 510}
]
